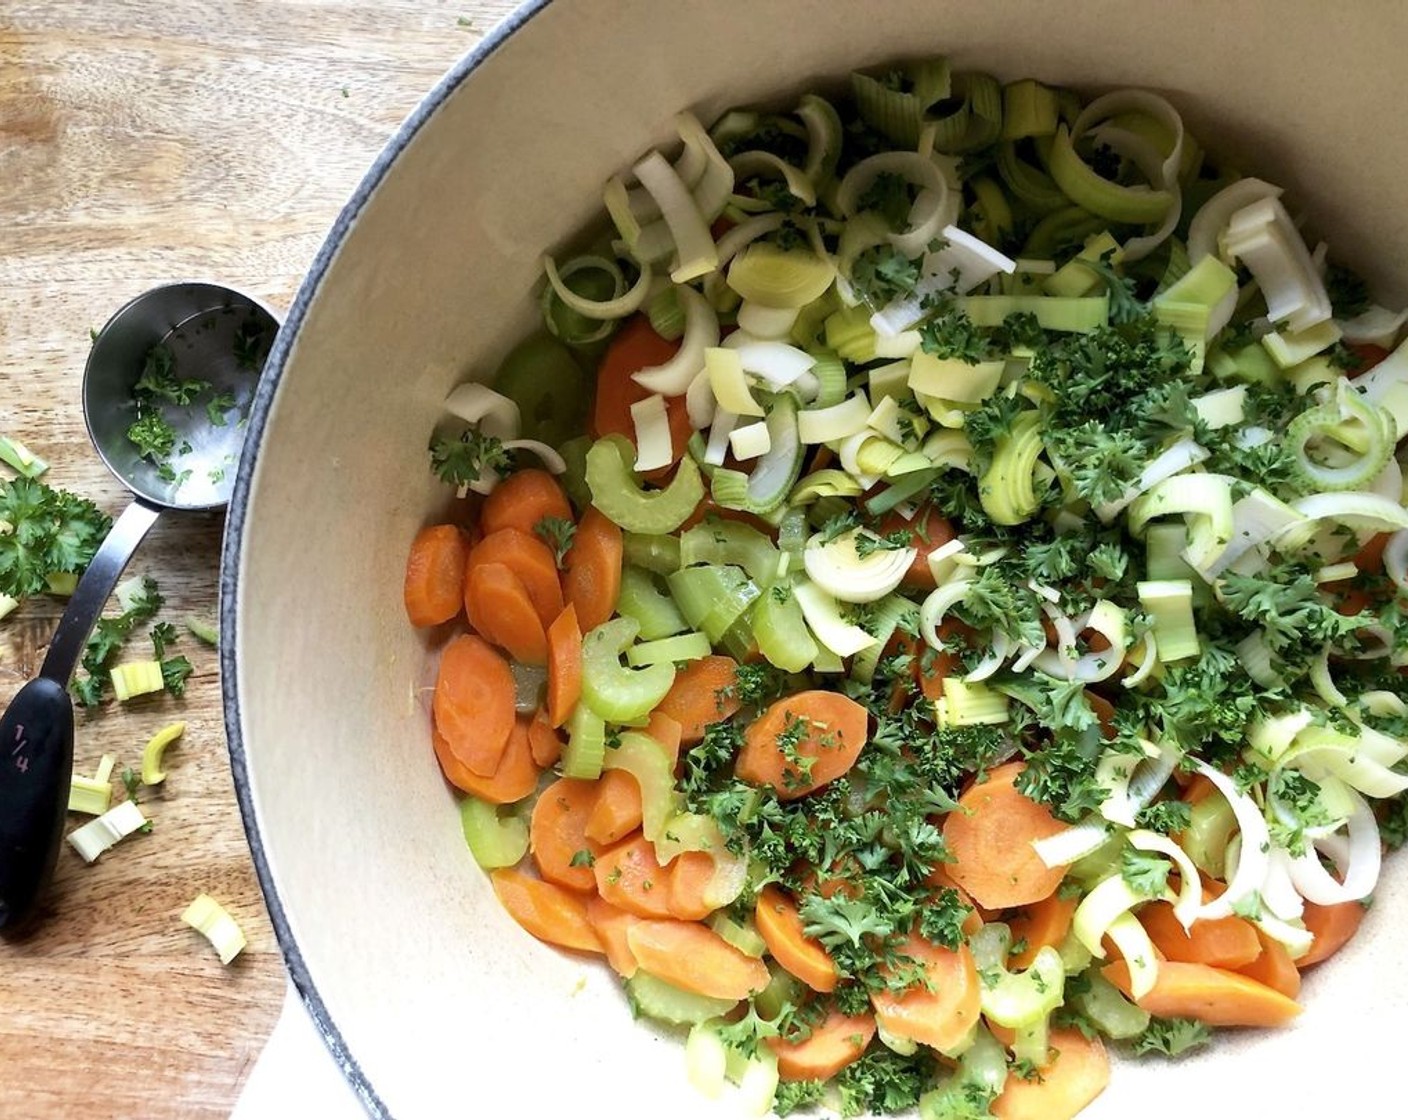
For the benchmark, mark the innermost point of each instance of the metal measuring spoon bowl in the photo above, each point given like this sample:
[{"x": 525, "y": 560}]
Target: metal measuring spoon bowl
[{"x": 182, "y": 360}]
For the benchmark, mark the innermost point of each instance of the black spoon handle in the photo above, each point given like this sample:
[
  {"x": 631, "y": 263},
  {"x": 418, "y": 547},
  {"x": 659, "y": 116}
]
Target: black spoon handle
[{"x": 36, "y": 734}]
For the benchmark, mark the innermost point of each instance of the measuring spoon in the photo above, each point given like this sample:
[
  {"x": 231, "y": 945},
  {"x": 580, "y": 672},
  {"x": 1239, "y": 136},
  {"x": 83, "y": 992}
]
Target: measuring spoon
[{"x": 211, "y": 334}]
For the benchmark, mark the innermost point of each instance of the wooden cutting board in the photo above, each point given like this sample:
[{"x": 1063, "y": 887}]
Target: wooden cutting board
[{"x": 145, "y": 141}]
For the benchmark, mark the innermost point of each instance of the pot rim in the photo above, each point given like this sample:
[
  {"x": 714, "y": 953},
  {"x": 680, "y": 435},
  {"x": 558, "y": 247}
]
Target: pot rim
[{"x": 237, "y": 523}]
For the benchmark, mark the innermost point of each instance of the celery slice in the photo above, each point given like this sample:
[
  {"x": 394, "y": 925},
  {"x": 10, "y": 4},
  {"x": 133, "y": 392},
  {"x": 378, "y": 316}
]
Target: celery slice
[
  {"x": 656, "y": 553},
  {"x": 669, "y": 651},
  {"x": 213, "y": 922},
  {"x": 713, "y": 598},
  {"x": 653, "y": 610},
  {"x": 585, "y": 751},
  {"x": 497, "y": 836},
  {"x": 781, "y": 631},
  {"x": 616, "y": 494},
  {"x": 89, "y": 796},
  {"x": 610, "y": 689},
  {"x": 21, "y": 458},
  {"x": 650, "y": 764},
  {"x": 731, "y": 542},
  {"x": 98, "y": 835},
  {"x": 136, "y": 678},
  {"x": 655, "y": 999},
  {"x": 155, "y": 750}
]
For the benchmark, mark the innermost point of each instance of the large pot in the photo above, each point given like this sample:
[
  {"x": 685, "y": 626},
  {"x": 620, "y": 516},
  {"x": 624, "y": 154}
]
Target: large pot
[{"x": 427, "y": 993}]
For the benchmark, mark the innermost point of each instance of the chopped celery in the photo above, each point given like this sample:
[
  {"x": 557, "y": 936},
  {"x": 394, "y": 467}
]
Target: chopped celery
[
  {"x": 497, "y": 836},
  {"x": 208, "y": 632},
  {"x": 89, "y": 796},
  {"x": 653, "y": 998},
  {"x": 741, "y": 935},
  {"x": 21, "y": 458},
  {"x": 155, "y": 751},
  {"x": 213, "y": 922},
  {"x": 781, "y": 990},
  {"x": 781, "y": 631},
  {"x": 731, "y": 542},
  {"x": 673, "y": 650},
  {"x": 136, "y": 678},
  {"x": 1107, "y": 1007},
  {"x": 713, "y": 598},
  {"x": 616, "y": 494},
  {"x": 1210, "y": 827},
  {"x": 101, "y": 833},
  {"x": 610, "y": 689},
  {"x": 651, "y": 766},
  {"x": 965, "y": 704},
  {"x": 585, "y": 751},
  {"x": 644, "y": 601},
  {"x": 656, "y": 553}
]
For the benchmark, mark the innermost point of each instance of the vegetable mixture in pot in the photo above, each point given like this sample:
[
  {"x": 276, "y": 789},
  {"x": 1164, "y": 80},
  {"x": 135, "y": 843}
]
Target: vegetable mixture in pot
[{"x": 930, "y": 604}]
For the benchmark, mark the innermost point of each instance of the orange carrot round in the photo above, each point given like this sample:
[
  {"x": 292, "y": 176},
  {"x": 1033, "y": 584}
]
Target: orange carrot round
[
  {"x": 802, "y": 742},
  {"x": 545, "y": 910},
  {"x": 629, "y": 877},
  {"x": 473, "y": 703},
  {"x": 1230, "y": 942},
  {"x": 691, "y": 877},
  {"x": 611, "y": 925},
  {"x": 435, "y": 575},
  {"x": 564, "y": 665},
  {"x": 544, "y": 741},
  {"x": 990, "y": 836},
  {"x": 704, "y": 692},
  {"x": 693, "y": 957},
  {"x": 515, "y": 778},
  {"x": 1273, "y": 967},
  {"x": 527, "y": 557},
  {"x": 633, "y": 348},
  {"x": 1215, "y": 996},
  {"x": 780, "y": 926},
  {"x": 835, "y": 1042},
  {"x": 665, "y": 730},
  {"x": 505, "y": 613},
  {"x": 940, "y": 1012},
  {"x": 1075, "y": 1075},
  {"x": 557, "y": 834},
  {"x": 928, "y": 530},
  {"x": 616, "y": 811},
  {"x": 1041, "y": 924},
  {"x": 1332, "y": 926},
  {"x": 522, "y": 500},
  {"x": 592, "y": 580}
]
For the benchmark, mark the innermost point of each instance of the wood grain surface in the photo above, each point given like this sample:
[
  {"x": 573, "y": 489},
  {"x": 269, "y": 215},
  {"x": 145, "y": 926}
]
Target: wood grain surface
[{"x": 145, "y": 141}]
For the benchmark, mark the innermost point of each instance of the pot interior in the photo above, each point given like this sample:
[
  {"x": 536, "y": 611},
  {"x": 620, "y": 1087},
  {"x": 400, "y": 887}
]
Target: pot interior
[{"x": 437, "y": 996}]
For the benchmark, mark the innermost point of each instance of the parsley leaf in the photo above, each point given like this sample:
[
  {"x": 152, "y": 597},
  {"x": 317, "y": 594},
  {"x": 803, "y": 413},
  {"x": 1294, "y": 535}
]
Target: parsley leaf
[
  {"x": 1171, "y": 1037},
  {"x": 464, "y": 460},
  {"x": 1145, "y": 872},
  {"x": 49, "y": 532},
  {"x": 558, "y": 533}
]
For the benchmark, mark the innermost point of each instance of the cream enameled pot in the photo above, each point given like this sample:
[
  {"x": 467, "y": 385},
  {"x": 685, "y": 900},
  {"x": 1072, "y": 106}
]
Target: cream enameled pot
[{"x": 433, "y": 1002}]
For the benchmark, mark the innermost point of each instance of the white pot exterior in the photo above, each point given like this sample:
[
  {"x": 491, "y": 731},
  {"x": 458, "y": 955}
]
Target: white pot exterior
[{"x": 434, "y": 1000}]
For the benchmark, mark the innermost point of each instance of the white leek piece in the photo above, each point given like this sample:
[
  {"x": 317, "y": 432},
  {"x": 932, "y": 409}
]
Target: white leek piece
[
  {"x": 750, "y": 441},
  {"x": 729, "y": 384},
  {"x": 1386, "y": 385},
  {"x": 1075, "y": 842},
  {"x": 98, "y": 835},
  {"x": 155, "y": 751},
  {"x": 624, "y": 302},
  {"x": 701, "y": 331},
  {"x": 959, "y": 266},
  {"x": 654, "y": 448},
  {"x": 1263, "y": 237},
  {"x": 1137, "y": 949},
  {"x": 548, "y": 456},
  {"x": 837, "y": 567},
  {"x": 1100, "y": 908},
  {"x": 699, "y": 402},
  {"x": 823, "y": 615},
  {"x": 716, "y": 450},
  {"x": 777, "y": 363},
  {"x": 694, "y": 245},
  {"x": 931, "y": 209},
  {"x": 213, "y": 922},
  {"x": 492, "y": 413},
  {"x": 772, "y": 323},
  {"x": 1107, "y": 619},
  {"x": 1251, "y": 869},
  {"x": 1210, "y": 222},
  {"x": 1169, "y": 603},
  {"x": 1190, "y": 895},
  {"x": 837, "y": 422},
  {"x": 1377, "y": 327}
]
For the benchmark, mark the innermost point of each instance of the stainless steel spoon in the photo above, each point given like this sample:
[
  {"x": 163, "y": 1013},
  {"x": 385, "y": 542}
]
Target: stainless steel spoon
[{"x": 212, "y": 334}]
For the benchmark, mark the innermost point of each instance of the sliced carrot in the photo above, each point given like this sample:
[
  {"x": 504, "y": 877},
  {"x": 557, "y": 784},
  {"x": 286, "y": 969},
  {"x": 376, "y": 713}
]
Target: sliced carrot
[
  {"x": 564, "y": 665},
  {"x": 1200, "y": 788},
  {"x": 546, "y": 910},
  {"x": 1076, "y": 1074},
  {"x": 527, "y": 557},
  {"x": 835, "y": 1042},
  {"x": 691, "y": 876},
  {"x": 693, "y": 957},
  {"x": 704, "y": 692},
  {"x": 633, "y": 348},
  {"x": 824, "y": 727},
  {"x": 557, "y": 834},
  {"x": 1274, "y": 967},
  {"x": 505, "y": 614},
  {"x": 1215, "y": 996},
  {"x": 1230, "y": 942},
  {"x": 617, "y": 810},
  {"x": 473, "y": 703},
  {"x": 611, "y": 925},
  {"x": 629, "y": 877},
  {"x": 940, "y": 1010},
  {"x": 1332, "y": 926},
  {"x": 990, "y": 836},
  {"x": 433, "y": 586},
  {"x": 1370, "y": 558},
  {"x": 592, "y": 581},
  {"x": 522, "y": 500},
  {"x": 543, "y": 739},
  {"x": 665, "y": 730},
  {"x": 1041, "y": 924},
  {"x": 780, "y": 925},
  {"x": 928, "y": 530},
  {"x": 516, "y": 776}
]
